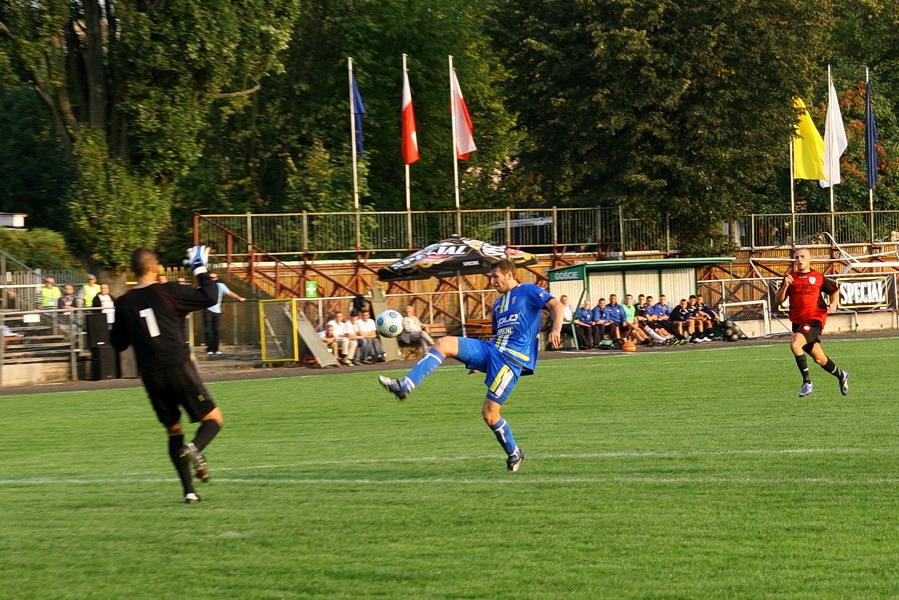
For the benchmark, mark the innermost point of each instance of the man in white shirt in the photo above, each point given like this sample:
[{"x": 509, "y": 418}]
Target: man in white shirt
[
  {"x": 366, "y": 329},
  {"x": 346, "y": 337}
]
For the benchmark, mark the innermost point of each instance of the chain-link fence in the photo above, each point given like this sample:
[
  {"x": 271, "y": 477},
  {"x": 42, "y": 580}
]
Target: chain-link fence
[{"x": 279, "y": 338}]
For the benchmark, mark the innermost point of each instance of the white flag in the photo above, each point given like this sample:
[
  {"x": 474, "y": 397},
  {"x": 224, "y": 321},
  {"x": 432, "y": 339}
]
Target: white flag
[
  {"x": 834, "y": 138},
  {"x": 464, "y": 129}
]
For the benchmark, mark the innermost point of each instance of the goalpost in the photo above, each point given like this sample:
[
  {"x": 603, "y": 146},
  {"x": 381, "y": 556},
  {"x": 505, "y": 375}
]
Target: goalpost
[{"x": 752, "y": 316}]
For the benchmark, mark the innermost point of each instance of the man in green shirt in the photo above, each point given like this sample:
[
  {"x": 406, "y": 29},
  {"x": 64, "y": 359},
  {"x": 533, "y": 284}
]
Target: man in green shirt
[
  {"x": 89, "y": 290},
  {"x": 48, "y": 296}
]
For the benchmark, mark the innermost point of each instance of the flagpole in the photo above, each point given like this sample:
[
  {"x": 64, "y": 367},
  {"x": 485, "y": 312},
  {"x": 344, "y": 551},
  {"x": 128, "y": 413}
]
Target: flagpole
[
  {"x": 830, "y": 141},
  {"x": 867, "y": 158},
  {"x": 455, "y": 157},
  {"x": 353, "y": 136},
  {"x": 792, "y": 196},
  {"x": 408, "y": 181}
]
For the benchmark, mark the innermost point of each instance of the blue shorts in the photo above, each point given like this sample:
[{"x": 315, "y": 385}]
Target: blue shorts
[{"x": 483, "y": 356}]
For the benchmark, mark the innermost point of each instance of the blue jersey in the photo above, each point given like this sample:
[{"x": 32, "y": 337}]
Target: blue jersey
[
  {"x": 616, "y": 313},
  {"x": 516, "y": 324},
  {"x": 584, "y": 315}
]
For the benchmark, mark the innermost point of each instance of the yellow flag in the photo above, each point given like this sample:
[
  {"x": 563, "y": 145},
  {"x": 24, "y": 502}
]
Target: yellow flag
[{"x": 808, "y": 147}]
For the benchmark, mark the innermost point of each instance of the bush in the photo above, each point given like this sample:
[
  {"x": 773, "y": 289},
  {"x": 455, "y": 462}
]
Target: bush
[{"x": 38, "y": 248}]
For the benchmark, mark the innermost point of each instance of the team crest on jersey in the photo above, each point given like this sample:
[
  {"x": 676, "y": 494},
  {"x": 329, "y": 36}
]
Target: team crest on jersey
[{"x": 812, "y": 279}]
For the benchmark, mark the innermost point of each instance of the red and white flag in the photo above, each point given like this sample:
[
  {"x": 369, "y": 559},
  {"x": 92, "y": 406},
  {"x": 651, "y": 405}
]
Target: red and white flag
[
  {"x": 464, "y": 129},
  {"x": 409, "y": 146}
]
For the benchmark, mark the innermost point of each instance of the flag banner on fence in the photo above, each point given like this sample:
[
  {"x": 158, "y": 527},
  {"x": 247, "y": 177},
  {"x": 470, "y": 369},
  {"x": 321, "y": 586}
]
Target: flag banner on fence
[
  {"x": 808, "y": 147},
  {"x": 409, "y": 146},
  {"x": 834, "y": 138},
  {"x": 858, "y": 293},
  {"x": 868, "y": 293},
  {"x": 870, "y": 138},
  {"x": 464, "y": 129},
  {"x": 358, "y": 111}
]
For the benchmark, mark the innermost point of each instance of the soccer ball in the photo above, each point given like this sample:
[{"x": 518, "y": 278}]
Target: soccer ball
[{"x": 389, "y": 323}]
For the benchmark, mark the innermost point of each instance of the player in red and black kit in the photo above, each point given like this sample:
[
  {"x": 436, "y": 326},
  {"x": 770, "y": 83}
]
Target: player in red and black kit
[
  {"x": 150, "y": 317},
  {"x": 808, "y": 312}
]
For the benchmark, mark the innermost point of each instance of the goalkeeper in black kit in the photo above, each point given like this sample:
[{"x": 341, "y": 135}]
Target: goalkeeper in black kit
[{"x": 150, "y": 317}]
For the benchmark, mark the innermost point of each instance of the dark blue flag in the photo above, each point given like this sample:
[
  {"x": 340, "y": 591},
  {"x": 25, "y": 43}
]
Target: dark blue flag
[
  {"x": 358, "y": 111},
  {"x": 870, "y": 138}
]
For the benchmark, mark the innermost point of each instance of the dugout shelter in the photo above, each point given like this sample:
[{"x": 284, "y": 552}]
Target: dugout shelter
[{"x": 674, "y": 277}]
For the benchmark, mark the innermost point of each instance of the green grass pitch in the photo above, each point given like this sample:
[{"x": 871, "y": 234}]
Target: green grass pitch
[{"x": 678, "y": 474}]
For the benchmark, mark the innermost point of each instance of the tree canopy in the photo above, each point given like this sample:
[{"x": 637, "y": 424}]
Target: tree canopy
[{"x": 665, "y": 107}]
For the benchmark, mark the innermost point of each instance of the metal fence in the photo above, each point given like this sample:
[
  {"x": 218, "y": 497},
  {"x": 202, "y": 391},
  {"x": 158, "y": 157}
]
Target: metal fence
[
  {"x": 605, "y": 229},
  {"x": 397, "y": 232}
]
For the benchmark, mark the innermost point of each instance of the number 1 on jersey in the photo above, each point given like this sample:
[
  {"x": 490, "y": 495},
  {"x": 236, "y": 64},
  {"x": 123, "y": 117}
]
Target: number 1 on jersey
[{"x": 150, "y": 319}]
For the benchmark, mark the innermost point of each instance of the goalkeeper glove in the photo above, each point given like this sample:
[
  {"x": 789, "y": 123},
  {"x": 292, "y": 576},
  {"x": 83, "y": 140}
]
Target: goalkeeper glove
[{"x": 197, "y": 259}]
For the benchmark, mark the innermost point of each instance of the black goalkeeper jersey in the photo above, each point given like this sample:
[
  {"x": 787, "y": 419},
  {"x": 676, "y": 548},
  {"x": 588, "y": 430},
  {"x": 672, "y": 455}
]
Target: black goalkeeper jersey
[{"x": 151, "y": 318}]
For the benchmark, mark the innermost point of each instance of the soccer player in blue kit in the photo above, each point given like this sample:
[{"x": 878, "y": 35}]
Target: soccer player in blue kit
[{"x": 511, "y": 353}]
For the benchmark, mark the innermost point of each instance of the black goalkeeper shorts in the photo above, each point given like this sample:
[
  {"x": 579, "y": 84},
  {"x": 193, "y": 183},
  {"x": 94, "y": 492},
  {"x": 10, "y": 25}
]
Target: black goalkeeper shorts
[{"x": 174, "y": 387}]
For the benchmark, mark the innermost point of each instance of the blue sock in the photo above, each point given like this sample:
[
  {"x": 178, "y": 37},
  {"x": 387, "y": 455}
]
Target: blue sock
[
  {"x": 422, "y": 369},
  {"x": 504, "y": 436}
]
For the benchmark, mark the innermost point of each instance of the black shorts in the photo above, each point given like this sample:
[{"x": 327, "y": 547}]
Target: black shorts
[
  {"x": 174, "y": 387},
  {"x": 811, "y": 330}
]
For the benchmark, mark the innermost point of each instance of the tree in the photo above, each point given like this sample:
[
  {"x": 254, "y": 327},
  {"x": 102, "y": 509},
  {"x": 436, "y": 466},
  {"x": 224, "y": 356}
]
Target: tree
[
  {"x": 129, "y": 86},
  {"x": 657, "y": 105},
  {"x": 293, "y": 139}
]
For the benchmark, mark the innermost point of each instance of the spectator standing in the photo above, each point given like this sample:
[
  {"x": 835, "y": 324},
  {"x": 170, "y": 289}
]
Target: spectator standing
[
  {"x": 89, "y": 290},
  {"x": 67, "y": 300},
  {"x": 212, "y": 316},
  {"x": 48, "y": 296},
  {"x": 414, "y": 331},
  {"x": 583, "y": 326},
  {"x": 106, "y": 301}
]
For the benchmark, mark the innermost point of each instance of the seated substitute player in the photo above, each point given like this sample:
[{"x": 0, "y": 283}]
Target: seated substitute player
[
  {"x": 512, "y": 352},
  {"x": 150, "y": 317},
  {"x": 808, "y": 313}
]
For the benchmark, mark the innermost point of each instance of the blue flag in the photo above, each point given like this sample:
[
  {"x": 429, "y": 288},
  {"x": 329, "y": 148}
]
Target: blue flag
[
  {"x": 870, "y": 138},
  {"x": 358, "y": 111}
]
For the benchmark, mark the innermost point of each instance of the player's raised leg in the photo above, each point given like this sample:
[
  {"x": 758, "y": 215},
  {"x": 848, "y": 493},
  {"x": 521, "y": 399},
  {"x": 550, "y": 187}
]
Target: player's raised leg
[{"x": 446, "y": 347}]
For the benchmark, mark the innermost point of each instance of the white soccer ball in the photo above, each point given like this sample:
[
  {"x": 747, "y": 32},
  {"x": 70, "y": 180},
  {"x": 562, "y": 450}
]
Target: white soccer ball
[{"x": 389, "y": 323}]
